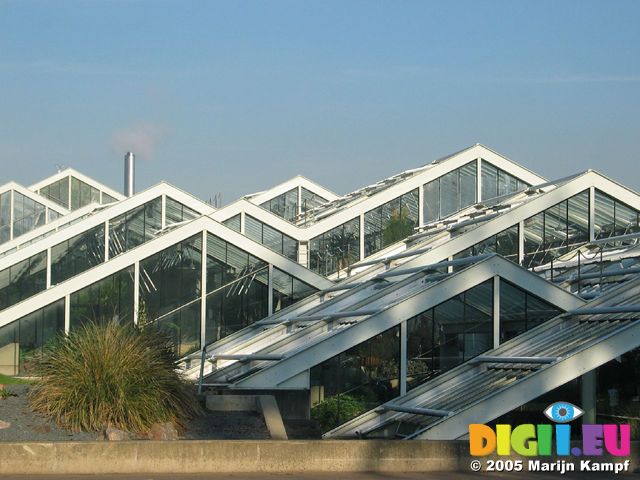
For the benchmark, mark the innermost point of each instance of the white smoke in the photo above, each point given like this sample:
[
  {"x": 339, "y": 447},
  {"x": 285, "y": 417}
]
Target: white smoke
[{"x": 141, "y": 139}]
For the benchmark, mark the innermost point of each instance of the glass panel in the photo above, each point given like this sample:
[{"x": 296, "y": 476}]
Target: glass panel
[
  {"x": 507, "y": 243},
  {"x": 27, "y": 214},
  {"x": 367, "y": 373},
  {"x": 57, "y": 192},
  {"x": 489, "y": 181},
  {"x": 5, "y": 217},
  {"x": 106, "y": 198},
  {"x": 604, "y": 215},
  {"x": 270, "y": 237},
  {"x": 287, "y": 289},
  {"x": 233, "y": 223},
  {"x": 176, "y": 212},
  {"x": 626, "y": 220},
  {"x": 77, "y": 254},
  {"x": 521, "y": 311},
  {"x": 109, "y": 299},
  {"x": 135, "y": 227},
  {"x": 578, "y": 219},
  {"x": 555, "y": 231},
  {"x": 431, "y": 203},
  {"x": 454, "y": 331},
  {"x": 23, "y": 280},
  {"x": 183, "y": 327},
  {"x": 534, "y": 240},
  {"x": 468, "y": 184},
  {"x": 171, "y": 277},
  {"x": 310, "y": 200},
  {"x": 336, "y": 249},
  {"x": 22, "y": 339},
  {"x": 284, "y": 205},
  {"x": 449, "y": 194}
]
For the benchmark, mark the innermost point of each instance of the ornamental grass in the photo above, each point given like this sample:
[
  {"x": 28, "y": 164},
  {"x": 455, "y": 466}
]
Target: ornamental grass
[{"x": 112, "y": 375}]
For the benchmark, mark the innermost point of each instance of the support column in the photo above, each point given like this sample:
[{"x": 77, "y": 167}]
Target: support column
[
  {"x": 361, "y": 236},
  {"x": 478, "y": 180},
  {"x": 136, "y": 292},
  {"x": 592, "y": 214},
  {"x": 270, "y": 291},
  {"x": 67, "y": 313},
  {"x": 203, "y": 291},
  {"x": 521, "y": 243},
  {"x": 163, "y": 212},
  {"x": 48, "y": 274},
  {"x": 496, "y": 311},
  {"x": 588, "y": 396},
  {"x": 403, "y": 358}
]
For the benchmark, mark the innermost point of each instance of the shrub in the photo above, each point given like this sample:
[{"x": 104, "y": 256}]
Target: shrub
[
  {"x": 112, "y": 375},
  {"x": 336, "y": 410}
]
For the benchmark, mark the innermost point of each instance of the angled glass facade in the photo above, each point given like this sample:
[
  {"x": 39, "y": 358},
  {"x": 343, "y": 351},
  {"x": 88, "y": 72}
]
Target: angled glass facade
[
  {"x": 176, "y": 212},
  {"x": 22, "y": 280},
  {"x": 336, "y": 249},
  {"x": 270, "y": 237},
  {"x": 613, "y": 218},
  {"x": 450, "y": 193},
  {"x": 135, "y": 227},
  {"x": 391, "y": 222},
  {"x": 77, "y": 254},
  {"x": 497, "y": 182},
  {"x": 284, "y": 205}
]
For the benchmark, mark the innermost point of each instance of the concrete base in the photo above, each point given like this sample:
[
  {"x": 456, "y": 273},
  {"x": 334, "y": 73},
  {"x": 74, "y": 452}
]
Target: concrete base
[
  {"x": 242, "y": 456},
  {"x": 223, "y": 456},
  {"x": 264, "y": 404}
]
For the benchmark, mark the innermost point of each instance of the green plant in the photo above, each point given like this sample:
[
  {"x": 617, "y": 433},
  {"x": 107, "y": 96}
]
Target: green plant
[
  {"x": 336, "y": 410},
  {"x": 111, "y": 374}
]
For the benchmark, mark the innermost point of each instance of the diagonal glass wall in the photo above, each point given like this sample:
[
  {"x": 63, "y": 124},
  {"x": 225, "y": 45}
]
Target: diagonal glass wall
[
  {"x": 78, "y": 254},
  {"x": 613, "y": 218},
  {"x": 26, "y": 337},
  {"x": 22, "y": 280},
  {"x": 284, "y": 205},
  {"x": 335, "y": 249},
  {"x": 271, "y": 238},
  {"x": 390, "y": 222},
  {"x": 135, "y": 227}
]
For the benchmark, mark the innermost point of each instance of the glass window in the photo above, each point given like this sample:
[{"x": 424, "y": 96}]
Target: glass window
[
  {"x": 27, "y": 214},
  {"x": 22, "y": 339},
  {"x": 310, "y": 200},
  {"x": 504, "y": 243},
  {"x": 23, "y": 280},
  {"x": 176, "y": 212},
  {"x": 366, "y": 375},
  {"x": 497, "y": 182},
  {"x": 450, "y": 193},
  {"x": 109, "y": 299},
  {"x": 555, "y": 231},
  {"x": 106, "y": 198},
  {"x": 171, "y": 278},
  {"x": 77, "y": 254},
  {"x": 284, "y": 205},
  {"x": 135, "y": 227},
  {"x": 57, "y": 192},
  {"x": 270, "y": 237},
  {"x": 521, "y": 311},
  {"x": 391, "y": 222},
  {"x": 335, "y": 249},
  {"x": 613, "y": 218},
  {"x": 82, "y": 194},
  {"x": 183, "y": 328},
  {"x": 233, "y": 223},
  {"x": 453, "y": 332},
  {"x": 5, "y": 217},
  {"x": 287, "y": 289}
]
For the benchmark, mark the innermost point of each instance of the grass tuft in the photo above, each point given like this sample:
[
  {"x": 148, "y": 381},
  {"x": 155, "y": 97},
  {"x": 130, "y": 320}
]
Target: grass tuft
[{"x": 112, "y": 375}]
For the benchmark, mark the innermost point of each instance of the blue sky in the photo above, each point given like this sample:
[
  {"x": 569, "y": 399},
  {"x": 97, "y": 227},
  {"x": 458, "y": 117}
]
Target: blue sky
[{"x": 237, "y": 96}]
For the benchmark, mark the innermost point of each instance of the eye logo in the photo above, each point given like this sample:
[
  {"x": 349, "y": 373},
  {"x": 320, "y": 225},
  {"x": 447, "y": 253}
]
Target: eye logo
[{"x": 563, "y": 412}]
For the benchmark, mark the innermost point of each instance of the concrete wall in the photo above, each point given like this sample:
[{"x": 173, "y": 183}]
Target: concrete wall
[
  {"x": 230, "y": 456},
  {"x": 213, "y": 456}
]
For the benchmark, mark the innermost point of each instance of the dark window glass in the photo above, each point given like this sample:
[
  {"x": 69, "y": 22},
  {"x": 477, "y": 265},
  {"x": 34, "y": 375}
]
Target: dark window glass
[
  {"x": 391, "y": 222},
  {"x": 23, "y": 280},
  {"x": 521, "y": 311},
  {"x": 284, "y": 205},
  {"x": 335, "y": 249},
  {"x": 26, "y": 337},
  {"x": 287, "y": 289},
  {"x": 109, "y": 299},
  {"x": 171, "y": 278},
  {"x": 77, "y": 254},
  {"x": 135, "y": 227},
  {"x": 270, "y": 237},
  {"x": 183, "y": 328},
  {"x": 613, "y": 218},
  {"x": 449, "y": 334},
  {"x": 176, "y": 212},
  {"x": 367, "y": 375},
  {"x": 5, "y": 217},
  {"x": 57, "y": 192},
  {"x": 27, "y": 214}
]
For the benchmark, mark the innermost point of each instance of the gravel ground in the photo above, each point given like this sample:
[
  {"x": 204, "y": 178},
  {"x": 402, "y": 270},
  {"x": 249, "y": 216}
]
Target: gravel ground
[{"x": 26, "y": 426}]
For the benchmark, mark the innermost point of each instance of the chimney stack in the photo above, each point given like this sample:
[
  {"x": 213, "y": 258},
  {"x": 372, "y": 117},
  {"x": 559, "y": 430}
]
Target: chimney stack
[{"x": 129, "y": 174}]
